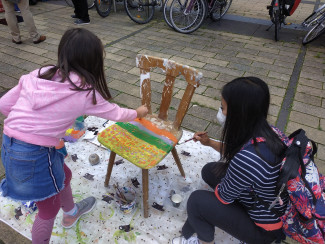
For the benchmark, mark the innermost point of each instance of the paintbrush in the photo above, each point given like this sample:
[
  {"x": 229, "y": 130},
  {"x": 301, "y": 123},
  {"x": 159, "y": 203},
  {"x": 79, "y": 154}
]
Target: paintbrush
[
  {"x": 201, "y": 134},
  {"x": 117, "y": 198},
  {"x": 121, "y": 195}
]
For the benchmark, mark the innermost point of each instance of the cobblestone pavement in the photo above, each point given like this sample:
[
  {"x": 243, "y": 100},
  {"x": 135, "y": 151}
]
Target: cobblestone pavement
[{"x": 239, "y": 45}]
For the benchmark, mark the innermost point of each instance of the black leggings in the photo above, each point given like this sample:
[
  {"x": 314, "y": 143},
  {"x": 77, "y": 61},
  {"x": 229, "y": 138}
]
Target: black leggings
[
  {"x": 81, "y": 9},
  {"x": 205, "y": 212}
]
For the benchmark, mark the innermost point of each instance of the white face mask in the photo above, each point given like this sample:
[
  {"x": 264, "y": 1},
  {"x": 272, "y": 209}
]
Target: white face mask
[{"x": 221, "y": 117}]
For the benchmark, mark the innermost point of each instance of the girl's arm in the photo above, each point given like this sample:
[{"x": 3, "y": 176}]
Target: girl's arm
[
  {"x": 111, "y": 111},
  {"x": 9, "y": 99}
]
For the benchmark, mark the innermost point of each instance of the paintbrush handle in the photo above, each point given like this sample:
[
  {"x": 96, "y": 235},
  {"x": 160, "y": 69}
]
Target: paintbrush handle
[
  {"x": 119, "y": 192},
  {"x": 201, "y": 134},
  {"x": 118, "y": 198},
  {"x": 185, "y": 141}
]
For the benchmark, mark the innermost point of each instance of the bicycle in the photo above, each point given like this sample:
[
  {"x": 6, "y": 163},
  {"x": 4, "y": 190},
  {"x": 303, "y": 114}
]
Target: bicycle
[
  {"x": 188, "y": 15},
  {"x": 317, "y": 20},
  {"x": 90, "y": 3},
  {"x": 103, "y": 7},
  {"x": 277, "y": 17},
  {"x": 142, "y": 11},
  {"x": 278, "y": 11}
]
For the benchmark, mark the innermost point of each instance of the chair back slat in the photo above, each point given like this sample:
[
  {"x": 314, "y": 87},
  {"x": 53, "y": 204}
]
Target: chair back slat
[
  {"x": 172, "y": 70},
  {"x": 183, "y": 106},
  {"x": 145, "y": 88},
  {"x": 166, "y": 97}
]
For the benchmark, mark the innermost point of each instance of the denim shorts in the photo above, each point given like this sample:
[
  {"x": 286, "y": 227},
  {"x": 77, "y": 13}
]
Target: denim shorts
[{"x": 33, "y": 173}]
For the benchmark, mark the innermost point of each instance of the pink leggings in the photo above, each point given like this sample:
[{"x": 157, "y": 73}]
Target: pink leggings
[{"x": 49, "y": 208}]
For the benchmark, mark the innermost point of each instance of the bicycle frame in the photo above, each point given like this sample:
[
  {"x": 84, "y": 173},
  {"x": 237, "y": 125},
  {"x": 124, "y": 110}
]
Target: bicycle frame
[
  {"x": 277, "y": 16},
  {"x": 317, "y": 20},
  {"x": 211, "y": 5},
  {"x": 276, "y": 5},
  {"x": 153, "y": 3},
  {"x": 188, "y": 15},
  {"x": 188, "y": 9}
]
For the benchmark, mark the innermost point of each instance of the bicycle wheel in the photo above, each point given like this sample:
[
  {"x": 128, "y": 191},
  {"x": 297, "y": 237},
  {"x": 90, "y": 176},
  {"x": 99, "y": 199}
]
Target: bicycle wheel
[
  {"x": 314, "y": 17},
  {"x": 103, "y": 7},
  {"x": 187, "y": 16},
  {"x": 166, "y": 12},
  {"x": 314, "y": 33},
  {"x": 219, "y": 9},
  {"x": 140, "y": 11},
  {"x": 69, "y": 2},
  {"x": 90, "y": 3}
]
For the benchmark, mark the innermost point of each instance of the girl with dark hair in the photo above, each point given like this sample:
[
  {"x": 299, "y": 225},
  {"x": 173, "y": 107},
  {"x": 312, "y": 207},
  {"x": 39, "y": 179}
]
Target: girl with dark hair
[
  {"x": 39, "y": 110},
  {"x": 246, "y": 167}
]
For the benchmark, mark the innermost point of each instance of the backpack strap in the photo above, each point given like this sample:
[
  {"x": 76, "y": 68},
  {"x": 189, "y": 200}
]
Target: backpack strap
[
  {"x": 314, "y": 148},
  {"x": 300, "y": 142},
  {"x": 256, "y": 198},
  {"x": 282, "y": 136}
]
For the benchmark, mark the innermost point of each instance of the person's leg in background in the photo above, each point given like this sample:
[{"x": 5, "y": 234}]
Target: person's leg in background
[
  {"x": 12, "y": 22},
  {"x": 205, "y": 212},
  {"x": 29, "y": 21},
  {"x": 76, "y": 4},
  {"x": 81, "y": 12},
  {"x": 17, "y": 10},
  {"x": 1, "y": 7}
]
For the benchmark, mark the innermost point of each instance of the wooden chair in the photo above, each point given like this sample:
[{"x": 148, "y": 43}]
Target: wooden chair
[{"x": 145, "y": 142}]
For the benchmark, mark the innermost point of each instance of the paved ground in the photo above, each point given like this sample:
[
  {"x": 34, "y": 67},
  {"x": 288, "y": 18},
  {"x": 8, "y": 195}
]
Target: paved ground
[{"x": 239, "y": 45}]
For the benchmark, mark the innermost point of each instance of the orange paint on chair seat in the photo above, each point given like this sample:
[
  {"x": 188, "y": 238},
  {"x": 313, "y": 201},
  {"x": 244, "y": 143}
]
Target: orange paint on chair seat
[{"x": 150, "y": 126}]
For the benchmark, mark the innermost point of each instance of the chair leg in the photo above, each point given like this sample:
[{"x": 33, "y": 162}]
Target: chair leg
[
  {"x": 178, "y": 162},
  {"x": 110, "y": 167},
  {"x": 145, "y": 189}
]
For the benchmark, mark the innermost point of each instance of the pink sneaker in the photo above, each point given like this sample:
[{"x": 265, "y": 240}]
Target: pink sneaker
[{"x": 84, "y": 206}]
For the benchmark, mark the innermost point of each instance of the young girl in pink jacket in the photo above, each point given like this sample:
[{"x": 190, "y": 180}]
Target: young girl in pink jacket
[{"x": 39, "y": 110}]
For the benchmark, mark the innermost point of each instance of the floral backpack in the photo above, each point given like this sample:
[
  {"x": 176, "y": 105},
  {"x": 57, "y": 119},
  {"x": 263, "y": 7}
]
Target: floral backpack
[{"x": 304, "y": 218}]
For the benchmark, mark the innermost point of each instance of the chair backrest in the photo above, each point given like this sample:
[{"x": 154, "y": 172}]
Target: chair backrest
[{"x": 172, "y": 70}]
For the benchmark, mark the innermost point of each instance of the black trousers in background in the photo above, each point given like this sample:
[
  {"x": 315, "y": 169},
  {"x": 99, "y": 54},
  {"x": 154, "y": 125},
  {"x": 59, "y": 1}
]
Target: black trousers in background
[
  {"x": 205, "y": 212},
  {"x": 81, "y": 9}
]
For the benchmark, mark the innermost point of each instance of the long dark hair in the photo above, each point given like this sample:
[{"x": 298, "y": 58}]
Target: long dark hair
[
  {"x": 248, "y": 100},
  {"x": 81, "y": 51}
]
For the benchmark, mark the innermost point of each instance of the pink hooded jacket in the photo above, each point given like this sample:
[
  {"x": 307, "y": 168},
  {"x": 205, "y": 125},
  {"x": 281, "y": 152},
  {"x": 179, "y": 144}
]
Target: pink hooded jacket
[{"x": 40, "y": 111}]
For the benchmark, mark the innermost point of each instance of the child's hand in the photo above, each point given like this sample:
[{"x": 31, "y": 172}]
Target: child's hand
[
  {"x": 142, "y": 111},
  {"x": 202, "y": 137}
]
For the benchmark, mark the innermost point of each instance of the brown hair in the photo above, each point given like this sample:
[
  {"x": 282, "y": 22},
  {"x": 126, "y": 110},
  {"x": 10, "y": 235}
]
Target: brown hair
[{"x": 82, "y": 52}]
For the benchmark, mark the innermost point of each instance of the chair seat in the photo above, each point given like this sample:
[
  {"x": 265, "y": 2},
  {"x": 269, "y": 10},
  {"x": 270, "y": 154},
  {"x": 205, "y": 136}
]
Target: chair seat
[{"x": 144, "y": 142}]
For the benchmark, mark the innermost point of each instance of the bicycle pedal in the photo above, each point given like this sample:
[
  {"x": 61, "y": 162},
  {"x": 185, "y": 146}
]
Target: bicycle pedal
[{"x": 289, "y": 23}]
